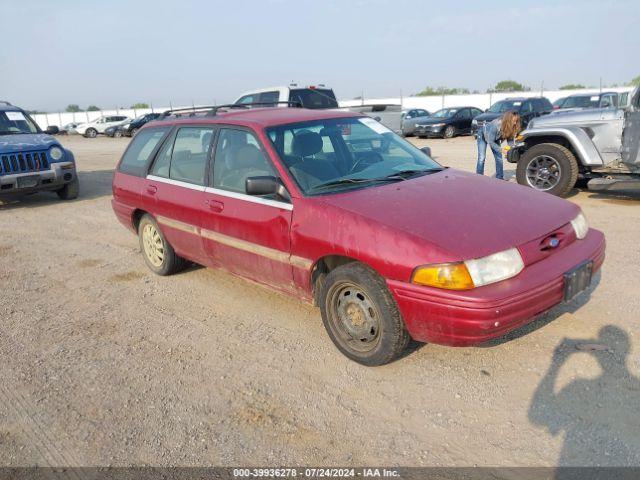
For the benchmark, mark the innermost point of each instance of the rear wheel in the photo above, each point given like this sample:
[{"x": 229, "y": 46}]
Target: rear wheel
[
  {"x": 91, "y": 133},
  {"x": 361, "y": 316},
  {"x": 158, "y": 254},
  {"x": 449, "y": 132},
  {"x": 548, "y": 167}
]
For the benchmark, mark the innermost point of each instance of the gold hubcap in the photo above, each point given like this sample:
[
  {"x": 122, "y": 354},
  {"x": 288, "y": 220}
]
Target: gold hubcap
[{"x": 153, "y": 245}]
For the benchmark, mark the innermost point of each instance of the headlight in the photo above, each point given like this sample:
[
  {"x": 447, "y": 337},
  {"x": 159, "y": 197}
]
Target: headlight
[
  {"x": 437, "y": 124},
  {"x": 580, "y": 226},
  {"x": 471, "y": 273},
  {"x": 496, "y": 267},
  {"x": 55, "y": 153}
]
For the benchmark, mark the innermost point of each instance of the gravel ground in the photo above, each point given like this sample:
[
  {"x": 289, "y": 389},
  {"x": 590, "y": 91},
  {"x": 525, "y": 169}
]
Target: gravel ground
[{"x": 103, "y": 363}]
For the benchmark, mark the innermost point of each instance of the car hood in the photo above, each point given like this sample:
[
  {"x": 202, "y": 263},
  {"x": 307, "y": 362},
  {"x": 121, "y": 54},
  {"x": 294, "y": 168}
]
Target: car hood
[
  {"x": 468, "y": 215},
  {"x": 487, "y": 116},
  {"x": 26, "y": 142},
  {"x": 578, "y": 117}
]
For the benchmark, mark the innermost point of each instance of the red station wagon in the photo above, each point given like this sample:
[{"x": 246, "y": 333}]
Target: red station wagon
[{"x": 334, "y": 208}]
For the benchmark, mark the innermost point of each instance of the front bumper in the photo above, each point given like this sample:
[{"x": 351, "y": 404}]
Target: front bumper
[
  {"x": 462, "y": 318},
  {"x": 429, "y": 131},
  {"x": 59, "y": 174}
]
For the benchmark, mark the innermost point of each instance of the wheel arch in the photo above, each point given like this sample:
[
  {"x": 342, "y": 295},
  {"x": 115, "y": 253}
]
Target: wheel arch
[
  {"x": 322, "y": 266},
  {"x": 575, "y": 139}
]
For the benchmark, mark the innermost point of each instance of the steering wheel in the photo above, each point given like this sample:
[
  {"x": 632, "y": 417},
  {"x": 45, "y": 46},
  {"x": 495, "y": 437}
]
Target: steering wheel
[{"x": 366, "y": 159}]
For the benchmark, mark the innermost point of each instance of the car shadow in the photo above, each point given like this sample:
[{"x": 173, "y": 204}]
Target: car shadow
[
  {"x": 598, "y": 416},
  {"x": 94, "y": 184},
  {"x": 621, "y": 197},
  {"x": 548, "y": 317}
]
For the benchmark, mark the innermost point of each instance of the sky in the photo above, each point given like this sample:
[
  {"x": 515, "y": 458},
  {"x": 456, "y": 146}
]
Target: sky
[{"x": 115, "y": 53}]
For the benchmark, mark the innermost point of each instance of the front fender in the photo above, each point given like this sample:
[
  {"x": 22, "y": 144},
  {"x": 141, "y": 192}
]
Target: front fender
[{"x": 582, "y": 146}]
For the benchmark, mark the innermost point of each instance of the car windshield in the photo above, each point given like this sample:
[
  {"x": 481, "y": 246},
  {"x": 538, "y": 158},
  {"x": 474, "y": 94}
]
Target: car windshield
[
  {"x": 331, "y": 155},
  {"x": 314, "y": 98},
  {"x": 585, "y": 101},
  {"x": 445, "y": 113},
  {"x": 505, "y": 105},
  {"x": 14, "y": 122}
]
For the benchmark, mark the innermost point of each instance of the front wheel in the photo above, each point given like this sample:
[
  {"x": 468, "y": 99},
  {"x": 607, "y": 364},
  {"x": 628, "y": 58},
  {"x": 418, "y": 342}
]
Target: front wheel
[
  {"x": 548, "y": 167},
  {"x": 449, "y": 132},
  {"x": 70, "y": 191},
  {"x": 361, "y": 316}
]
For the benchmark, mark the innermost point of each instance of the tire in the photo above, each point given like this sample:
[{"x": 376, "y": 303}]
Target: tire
[
  {"x": 158, "y": 254},
  {"x": 133, "y": 132},
  {"x": 449, "y": 132},
  {"x": 70, "y": 191},
  {"x": 117, "y": 134},
  {"x": 91, "y": 133},
  {"x": 548, "y": 167},
  {"x": 378, "y": 335}
]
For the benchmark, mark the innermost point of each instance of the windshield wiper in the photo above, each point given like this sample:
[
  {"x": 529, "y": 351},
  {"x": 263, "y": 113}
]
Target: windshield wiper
[
  {"x": 351, "y": 181},
  {"x": 405, "y": 174}
]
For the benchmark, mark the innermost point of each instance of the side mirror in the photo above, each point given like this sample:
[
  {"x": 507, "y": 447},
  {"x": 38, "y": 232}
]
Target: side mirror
[
  {"x": 377, "y": 119},
  {"x": 52, "y": 130},
  {"x": 266, "y": 186},
  {"x": 426, "y": 151}
]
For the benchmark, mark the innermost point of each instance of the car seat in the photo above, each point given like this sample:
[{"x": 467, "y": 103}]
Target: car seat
[{"x": 307, "y": 169}]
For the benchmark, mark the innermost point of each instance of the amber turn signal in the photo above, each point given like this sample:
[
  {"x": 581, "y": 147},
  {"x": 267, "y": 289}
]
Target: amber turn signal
[{"x": 452, "y": 276}]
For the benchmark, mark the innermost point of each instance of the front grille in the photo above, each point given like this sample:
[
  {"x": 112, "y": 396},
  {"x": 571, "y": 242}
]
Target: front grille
[{"x": 23, "y": 162}]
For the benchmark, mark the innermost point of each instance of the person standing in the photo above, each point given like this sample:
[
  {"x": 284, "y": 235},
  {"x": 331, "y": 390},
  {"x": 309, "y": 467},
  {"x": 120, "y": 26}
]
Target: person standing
[{"x": 492, "y": 134}]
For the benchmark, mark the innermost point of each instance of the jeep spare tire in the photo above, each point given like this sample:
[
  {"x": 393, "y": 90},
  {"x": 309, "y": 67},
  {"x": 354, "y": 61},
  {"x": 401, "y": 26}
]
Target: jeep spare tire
[{"x": 548, "y": 167}]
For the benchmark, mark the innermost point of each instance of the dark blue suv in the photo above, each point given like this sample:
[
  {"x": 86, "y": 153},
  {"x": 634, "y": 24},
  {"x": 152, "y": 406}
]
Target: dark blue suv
[{"x": 31, "y": 160}]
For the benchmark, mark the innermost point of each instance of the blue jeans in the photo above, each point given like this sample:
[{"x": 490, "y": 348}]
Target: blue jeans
[{"x": 482, "y": 154}]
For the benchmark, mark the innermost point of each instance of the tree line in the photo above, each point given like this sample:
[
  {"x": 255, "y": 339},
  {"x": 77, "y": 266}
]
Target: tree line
[
  {"x": 73, "y": 108},
  {"x": 506, "y": 86}
]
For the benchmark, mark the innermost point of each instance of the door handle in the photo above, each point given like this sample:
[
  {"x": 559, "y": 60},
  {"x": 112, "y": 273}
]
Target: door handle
[
  {"x": 152, "y": 189},
  {"x": 215, "y": 205}
]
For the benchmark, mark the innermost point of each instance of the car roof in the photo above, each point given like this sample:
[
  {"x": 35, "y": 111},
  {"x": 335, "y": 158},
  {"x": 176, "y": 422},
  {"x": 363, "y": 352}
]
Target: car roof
[
  {"x": 262, "y": 117},
  {"x": 9, "y": 108}
]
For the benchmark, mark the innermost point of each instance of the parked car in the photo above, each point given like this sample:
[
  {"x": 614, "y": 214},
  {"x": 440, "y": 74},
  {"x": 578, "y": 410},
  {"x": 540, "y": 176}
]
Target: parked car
[
  {"x": 313, "y": 96},
  {"x": 582, "y": 101},
  {"x": 32, "y": 160},
  {"x": 99, "y": 125},
  {"x": 129, "y": 129},
  {"x": 528, "y": 108},
  {"x": 69, "y": 128},
  {"x": 447, "y": 122},
  {"x": 596, "y": 147},
  {"x": 322, "y": 205},
  {"x": 558, "y": 103},
  {"x": 409, "y": 119},
  {"x": 115, "y": 131}
]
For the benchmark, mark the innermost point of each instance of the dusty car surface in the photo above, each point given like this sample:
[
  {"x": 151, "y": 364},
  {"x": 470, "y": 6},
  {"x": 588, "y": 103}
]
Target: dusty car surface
[
  {"x": 335, "y": 209},
  {"x": 598, "y": 148}
]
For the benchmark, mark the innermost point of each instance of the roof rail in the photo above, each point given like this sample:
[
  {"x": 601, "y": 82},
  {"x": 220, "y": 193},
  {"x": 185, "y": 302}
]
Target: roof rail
[
  {"x": 6, "y": 103},
  {"x": 212, "y": 110}
]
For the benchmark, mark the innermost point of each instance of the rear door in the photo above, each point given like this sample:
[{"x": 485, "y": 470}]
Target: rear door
[
  {"x": 464, "y": 120},
  {"x": 174, "y": 192},
  {"x": 247, "y": 235},
  {"x": 631, "y": 132}
]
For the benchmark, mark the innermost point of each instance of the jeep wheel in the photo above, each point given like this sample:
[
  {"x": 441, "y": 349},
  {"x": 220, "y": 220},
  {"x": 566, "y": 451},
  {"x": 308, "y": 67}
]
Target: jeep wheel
[
  {"x": 548, "y": 167},
  {"x": 91, "y": 133},
  {"x": 70, "y": 191},
  {"x": 449, "y": 132},
  {"x": 158, "y": 254},
  {"x": 361, "y": 316}
]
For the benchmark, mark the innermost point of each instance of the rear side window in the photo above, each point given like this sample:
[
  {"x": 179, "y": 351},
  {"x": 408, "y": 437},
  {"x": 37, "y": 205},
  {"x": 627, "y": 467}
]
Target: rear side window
[
  {"x": 313, "y": 98},
  {"x": 269, "y": 97},
  {"x": 137, "y": 156},
  {"x": 185, "y": 157}
]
